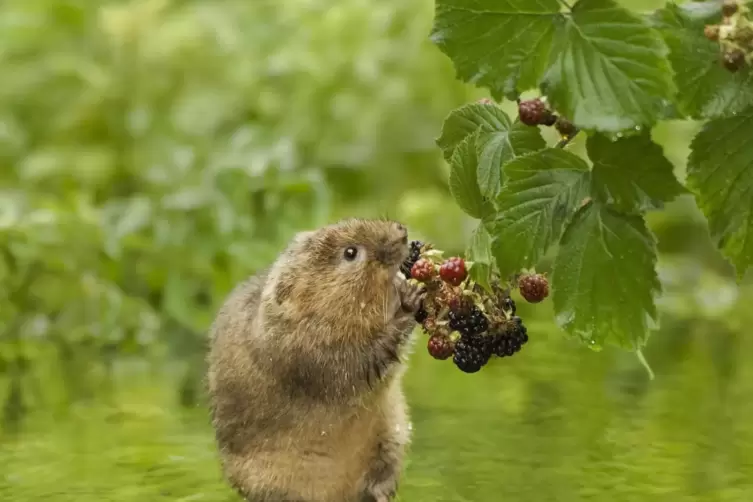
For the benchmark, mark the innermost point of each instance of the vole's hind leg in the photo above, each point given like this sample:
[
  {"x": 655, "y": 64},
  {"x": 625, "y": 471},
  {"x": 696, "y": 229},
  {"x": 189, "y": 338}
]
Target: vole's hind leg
[{"x": 383, "y": 476}]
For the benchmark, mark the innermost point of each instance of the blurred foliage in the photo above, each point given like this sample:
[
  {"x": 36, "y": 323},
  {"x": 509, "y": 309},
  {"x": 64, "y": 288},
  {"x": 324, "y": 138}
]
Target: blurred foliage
[{"x": 157, "y": 151}]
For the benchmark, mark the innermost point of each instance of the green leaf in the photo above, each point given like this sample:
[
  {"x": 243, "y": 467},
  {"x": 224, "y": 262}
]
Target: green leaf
[
  {"x": 502, "y": 45},
  {"x": 631, "y": 173},
  {"x": 720, "y": 172},
  {"x": 610, "y": 72},
  {"x": 543, "y": 189},
  {"x": 499, "y": 140},
  {"x": 479, "y": 252},
  {"x": 469, "y": 118},
  {"x": 604, "y": 278},
  {"x": 706, "y": 88},
  {"x": 463, "y": 181},
  {"x": 497, "y": 148}
]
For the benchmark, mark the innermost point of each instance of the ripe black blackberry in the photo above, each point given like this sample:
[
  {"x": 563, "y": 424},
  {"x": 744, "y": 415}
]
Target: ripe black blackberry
[
  {"x": 471, "y": 322},
  {"x": 413, "y": 257},
  {"x": 511, "y": 339},
  {"x": 421, "y": 315},
  {"x": 472, "y": 352},
  {"x": 519, "y": 331},
  {"x": 508, "y": 305}
]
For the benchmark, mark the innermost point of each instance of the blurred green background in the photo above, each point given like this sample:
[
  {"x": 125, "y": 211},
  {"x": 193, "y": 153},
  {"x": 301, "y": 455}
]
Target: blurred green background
[{"x": 156, "y": 152}]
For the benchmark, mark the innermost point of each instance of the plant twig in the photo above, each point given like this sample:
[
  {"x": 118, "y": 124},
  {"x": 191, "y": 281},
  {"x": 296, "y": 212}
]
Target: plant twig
[
  {"x": 563, "y": 2},
  {"x": 566, "y": 140},
  {"x": 645, "y": 364}
]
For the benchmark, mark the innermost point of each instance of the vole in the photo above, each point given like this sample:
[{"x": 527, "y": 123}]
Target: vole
[{"x": 305, "y": 365}]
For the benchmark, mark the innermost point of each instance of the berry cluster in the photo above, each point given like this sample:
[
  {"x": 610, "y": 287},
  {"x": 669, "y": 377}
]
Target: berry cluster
[
  {"x": 535, "y": 112},
  {"x": 734, "y": 35},
  {"x": 464, "y": 321}
]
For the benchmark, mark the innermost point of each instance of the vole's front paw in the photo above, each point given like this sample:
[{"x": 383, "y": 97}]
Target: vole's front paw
[{"x": 411, "y": 296}]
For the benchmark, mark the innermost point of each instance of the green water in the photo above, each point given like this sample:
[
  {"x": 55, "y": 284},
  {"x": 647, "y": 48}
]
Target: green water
[{"x": 555, "y": 423}]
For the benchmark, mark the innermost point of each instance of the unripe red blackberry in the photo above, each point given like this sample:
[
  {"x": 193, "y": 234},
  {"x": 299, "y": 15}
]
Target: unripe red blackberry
[
  {"x": 533, "y": 287},
  {"x": 733, "y": 60},
  {"x": 711, "y": 31},
  {"x": 440, "y": 346},
  {"x": 453, "y": 271},
  {"x": 534, "y": 112},
  {"x": 730, "y": 8},
  {"x": 565, "y": 127},
  {"x": 422, "y": 270}
]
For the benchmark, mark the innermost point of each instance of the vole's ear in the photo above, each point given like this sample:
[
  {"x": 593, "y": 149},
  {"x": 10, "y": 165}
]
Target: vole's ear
[{"x": 302, "y": 239}]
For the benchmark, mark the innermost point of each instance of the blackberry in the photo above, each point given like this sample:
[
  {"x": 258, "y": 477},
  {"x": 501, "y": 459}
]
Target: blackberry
[
  {"x": 453, "y": 271},
  {"x": 440, "y": 347},
  {"x": 508, "y": 305},
  {"x": 469, "y": 323},
  {"x": 421, "y": 315},
  {"x": 472, "y": 352},
  {"x": 413, "y": 256},
  {"x": 533, "y": 287},
  {"x": 533, "y": 112},
  {"x": 509, "y": 341},
  {"x": 422, "y": 270}
]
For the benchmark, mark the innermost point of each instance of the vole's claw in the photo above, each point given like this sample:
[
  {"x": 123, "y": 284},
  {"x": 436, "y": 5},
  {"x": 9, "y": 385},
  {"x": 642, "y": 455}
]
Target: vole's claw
[{"x": 411, "y": 296}]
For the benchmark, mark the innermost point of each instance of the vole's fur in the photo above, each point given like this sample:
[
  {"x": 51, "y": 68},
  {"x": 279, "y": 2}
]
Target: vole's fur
[{"x": 304, "y": 369}]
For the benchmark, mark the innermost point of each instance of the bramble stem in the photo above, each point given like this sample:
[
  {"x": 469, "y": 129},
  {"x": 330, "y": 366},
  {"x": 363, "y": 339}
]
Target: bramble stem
[
  {"x": 645, "y": 364},
  {"x": 566, "y": 140}
]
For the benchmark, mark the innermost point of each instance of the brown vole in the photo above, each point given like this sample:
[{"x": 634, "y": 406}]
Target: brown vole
[{"x": 305, "y": 368}]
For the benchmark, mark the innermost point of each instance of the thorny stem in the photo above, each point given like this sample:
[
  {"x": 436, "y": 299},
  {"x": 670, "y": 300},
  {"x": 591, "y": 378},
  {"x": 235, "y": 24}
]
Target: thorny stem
[{"x": 566, "y": 140}]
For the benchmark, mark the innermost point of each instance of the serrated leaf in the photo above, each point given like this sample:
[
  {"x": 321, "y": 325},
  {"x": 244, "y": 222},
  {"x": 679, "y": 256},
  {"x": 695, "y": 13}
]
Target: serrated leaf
[
  {"x": 632, "y": 174},
  {"x": 543, "y": 190},
  {"x": 479, "y": 248},
  {"x": 604, "y": 279},
  {"x": 610, "y": 72},
  {"x": 469, "y": 118},
  {"x": 720, "y": 172},
  {"x": 463, "y": 181},
  {"x": 502, "y": 45},
  {"x": 479, "y": 252},
  {"x": 497, "y": 148},
  {"x": 705, "y": 88}
]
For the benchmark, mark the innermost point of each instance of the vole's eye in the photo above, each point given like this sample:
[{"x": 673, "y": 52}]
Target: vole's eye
[{"x": 350, "y": 253}]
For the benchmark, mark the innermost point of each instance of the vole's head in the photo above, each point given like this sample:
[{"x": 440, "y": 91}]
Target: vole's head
[
  {"x": 356, "y": 250},
  {"x": 345, "y": 265}
]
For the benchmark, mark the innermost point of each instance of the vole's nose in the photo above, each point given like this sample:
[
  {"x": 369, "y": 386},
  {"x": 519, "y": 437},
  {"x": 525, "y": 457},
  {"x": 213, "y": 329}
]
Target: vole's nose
[{"x": 402, "y": 231}]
